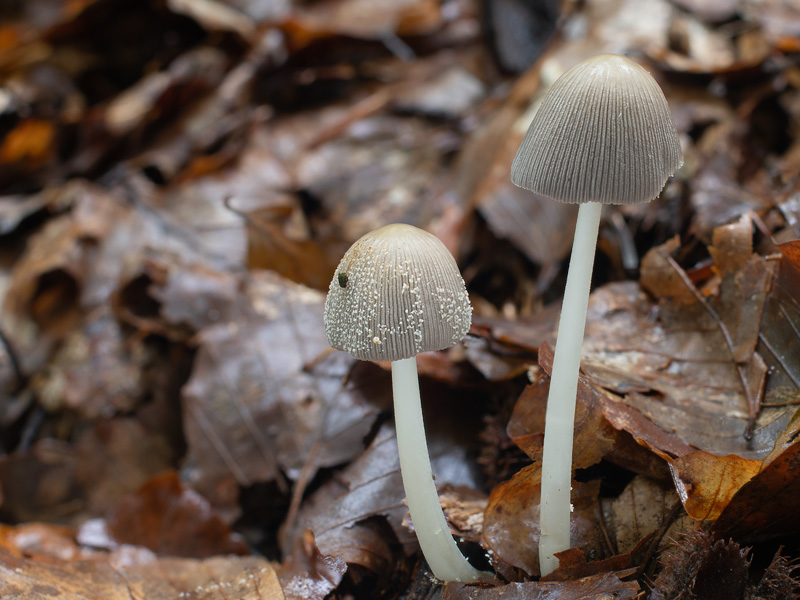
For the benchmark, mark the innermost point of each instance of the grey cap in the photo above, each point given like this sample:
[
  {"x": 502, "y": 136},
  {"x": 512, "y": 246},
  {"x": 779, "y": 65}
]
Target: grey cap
[
  {"x": 397, "y": 292},
  {"x": 603, "y": 133}
]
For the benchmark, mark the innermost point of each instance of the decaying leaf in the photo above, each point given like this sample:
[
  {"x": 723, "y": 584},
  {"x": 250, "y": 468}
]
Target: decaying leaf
[
  {"x": 154, "y": 156},
  {"x": 597, "y": 587},
  {"x": 511, "y": 521},
  {"x": 342, "y": 513},
  {"x": 42, "y": 561},
  {"x": 706, "y": 483},
  {"x": 361, "y": 515},
  {"x": 766, "y": 506},
  {"x": 594, "y": 438},
  {"x": 641, "y": 509},
  {"x": 130, "y": 572},
  {"x": 169, "y": 519},
  {"x": 266, "y": 395},
  {"x": 679, "y": 372}
]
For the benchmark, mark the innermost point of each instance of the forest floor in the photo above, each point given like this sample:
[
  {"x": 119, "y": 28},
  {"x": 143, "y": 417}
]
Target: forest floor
[{"x": 178, "y": 181}]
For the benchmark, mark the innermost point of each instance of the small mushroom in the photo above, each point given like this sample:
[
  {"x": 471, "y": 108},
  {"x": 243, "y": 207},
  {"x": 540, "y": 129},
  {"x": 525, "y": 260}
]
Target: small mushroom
[
  {"x": 402, "y": 295},
  {"x": 602, "y": 135}
]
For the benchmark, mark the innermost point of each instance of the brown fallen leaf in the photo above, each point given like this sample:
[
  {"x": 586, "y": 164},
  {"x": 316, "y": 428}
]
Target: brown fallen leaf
[
  {"x": 594, "y": 437},
  {"x": 169, "y": 519},
  {"x": 511, "y": 521},
  {"x": 534, "y": 224},
  {"x": 645, "y": 432},
  {"x": 768, "y": 506},
  {"x": 342, "y": 513},
  {"x": 706, "y": 483},
  {"x": 381, "y": 169},
  {"x": 780, "y": 331},
  {"x": 40, "y": 484},
  {"x": 272, "y": 246},
  {"x": 40, "y": 540},
  {"x": 131, "y": 572},
  {"x": 159, "y": 94},
  {"x": 366, "y": 18},
  {"x": 676, "y": 371},
  {"x": 117, "y": 456},
  {"x": 58, "y": 482},
  {"x": 266, "y": 395},
  {"x": 360, "y": 515},
  {"x": 28, "y": 146},
  {"x": 596, "y": 587},
  {"x": 45, "y": 562},
  {"x": 95, "y": 372},
  {"x": 307, "y": 573},
  {"x": 639, "y": 511}
]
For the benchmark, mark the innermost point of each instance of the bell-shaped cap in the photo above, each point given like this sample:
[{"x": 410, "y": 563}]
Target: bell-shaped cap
[
  {"x": 603, "y": 133},
  {"x": 397, "y": 292}
]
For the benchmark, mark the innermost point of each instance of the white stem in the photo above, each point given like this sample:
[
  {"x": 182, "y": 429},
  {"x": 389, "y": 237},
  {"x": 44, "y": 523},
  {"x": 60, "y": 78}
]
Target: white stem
[
  {"x": 438, "y": 546},
  {"x": 555, "y": 504}
]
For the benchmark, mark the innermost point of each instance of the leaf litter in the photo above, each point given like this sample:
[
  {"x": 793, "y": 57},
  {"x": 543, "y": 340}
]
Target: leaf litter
[{"x": 177, "y": 182}]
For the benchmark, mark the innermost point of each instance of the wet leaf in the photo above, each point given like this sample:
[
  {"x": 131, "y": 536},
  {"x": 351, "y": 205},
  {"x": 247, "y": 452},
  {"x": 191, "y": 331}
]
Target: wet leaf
[
  {"x": 169, "y": 519},
  {"x": 266, "y": 395},
  {"x": 677, "y": 371},
  {"x": 596, "y": 587},
  {"x": 63, "y": 481},
  {"x": 780, "y": 333},
  {"x": 308, "y": 574},
  {"x": 95, "y": 372},
  {"x": 511, "y": 520},
  {"x": 358, "y": 514},
  {"x": 594, "y": 438},
  {"x": 116, "y": 457},
  {"x": 342, "y": 513}
]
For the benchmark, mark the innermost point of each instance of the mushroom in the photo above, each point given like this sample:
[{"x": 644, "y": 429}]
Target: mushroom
[
  {"x": 602, "y": 135},
  {"x": 398, "y": 292}
]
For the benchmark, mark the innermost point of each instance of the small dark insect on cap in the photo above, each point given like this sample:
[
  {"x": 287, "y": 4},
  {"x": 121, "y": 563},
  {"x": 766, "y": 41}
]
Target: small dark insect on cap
[
  {"x": 603, "y": 133},
  {"x": 397, "y": 292}
]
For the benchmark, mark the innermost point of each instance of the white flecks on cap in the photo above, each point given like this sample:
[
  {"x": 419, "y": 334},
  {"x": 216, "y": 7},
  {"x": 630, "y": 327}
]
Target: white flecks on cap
[
  {"x": 397, "y": 292},
  {"x": 603, "y": 133}
]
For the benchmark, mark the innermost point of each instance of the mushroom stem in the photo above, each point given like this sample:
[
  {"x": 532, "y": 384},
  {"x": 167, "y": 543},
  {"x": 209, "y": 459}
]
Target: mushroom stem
[
  {"x": 438, "y": 546},
  {"x": 555, "y": 507}
]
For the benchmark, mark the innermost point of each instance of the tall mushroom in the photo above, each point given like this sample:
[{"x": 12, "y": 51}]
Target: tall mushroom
[
  {"x": 602, "y": 135},
  {"x": 396, "y": 293}
]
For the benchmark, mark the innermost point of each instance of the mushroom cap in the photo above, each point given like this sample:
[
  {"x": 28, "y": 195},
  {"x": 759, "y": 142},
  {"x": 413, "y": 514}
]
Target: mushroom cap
[
  {"x": 603, "y": 133},
  {"x": 396, "y": 292}
]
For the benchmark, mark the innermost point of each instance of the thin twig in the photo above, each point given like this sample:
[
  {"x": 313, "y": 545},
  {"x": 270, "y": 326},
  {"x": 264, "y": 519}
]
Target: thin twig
[
  {"x": 652, "y": 545},
  {"x": 785, "y": 367},
  {"x": 611, "y": 547},
  {"x": 16, "y": 367}
]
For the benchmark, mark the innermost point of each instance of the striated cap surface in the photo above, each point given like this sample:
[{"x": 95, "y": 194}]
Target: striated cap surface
[
  {"x": 397, "y": 292},
  {"x": 603, "y": 133}
]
